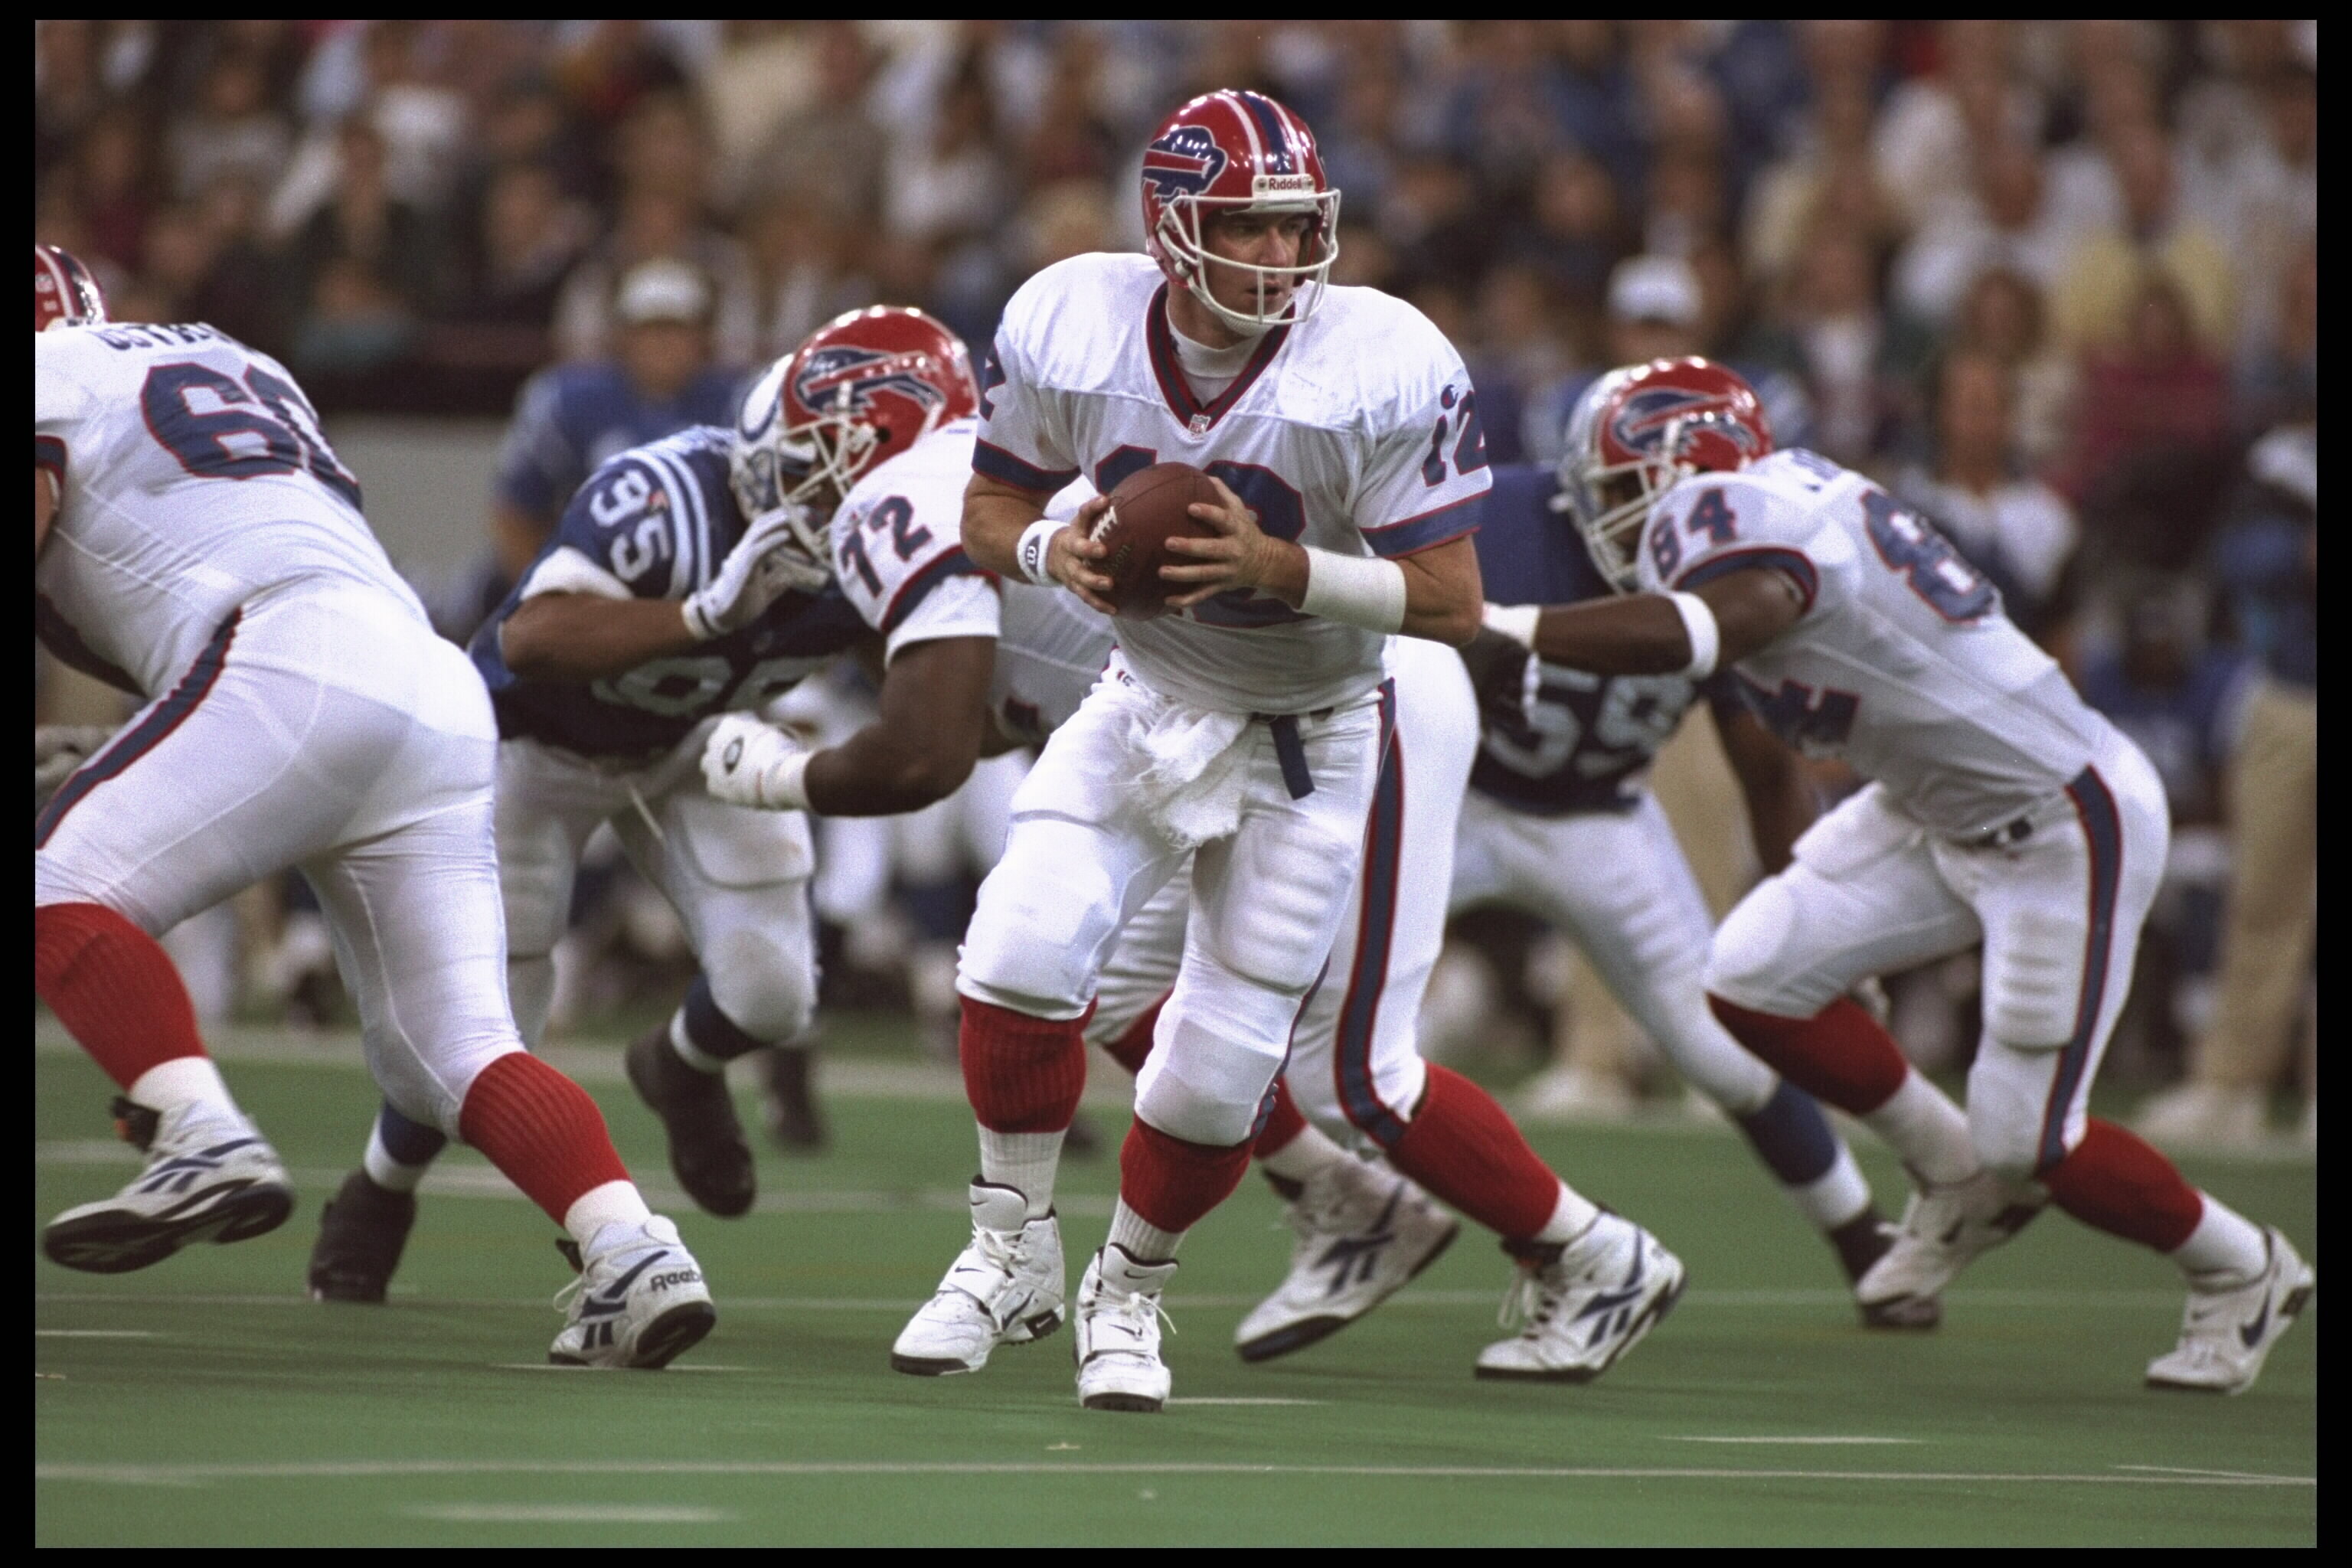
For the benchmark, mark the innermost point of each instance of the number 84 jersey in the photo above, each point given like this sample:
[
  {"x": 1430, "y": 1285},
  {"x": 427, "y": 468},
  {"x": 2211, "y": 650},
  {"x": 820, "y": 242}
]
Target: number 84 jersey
[
  {"x": 1901, "y": 661},
  {"x": 192, "y": 476}
]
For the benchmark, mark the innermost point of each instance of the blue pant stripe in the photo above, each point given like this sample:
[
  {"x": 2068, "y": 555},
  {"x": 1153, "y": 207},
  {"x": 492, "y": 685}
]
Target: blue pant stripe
[
  {"x": 2102, "y": 826},
  {"x": 144, "y": 736},
  {"x": 1383, "y": 846}
]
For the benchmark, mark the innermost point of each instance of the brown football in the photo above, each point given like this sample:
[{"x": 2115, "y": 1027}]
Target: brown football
[{"x": 1146, "y": 509}]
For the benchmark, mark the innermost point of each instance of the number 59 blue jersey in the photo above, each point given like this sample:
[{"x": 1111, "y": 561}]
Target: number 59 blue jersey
[
  {"x": 1576, "y": 741},
  {"x": 1901, "y": 661},
  {"x": 656, "y": 523}
]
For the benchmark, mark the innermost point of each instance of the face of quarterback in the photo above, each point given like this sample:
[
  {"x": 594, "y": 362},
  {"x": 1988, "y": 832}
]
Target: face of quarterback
[{"x": 1255, "y": 239}]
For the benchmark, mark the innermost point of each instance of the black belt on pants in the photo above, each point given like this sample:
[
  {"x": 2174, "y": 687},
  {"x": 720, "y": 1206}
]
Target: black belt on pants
[{"x": 1291, "y": 751}]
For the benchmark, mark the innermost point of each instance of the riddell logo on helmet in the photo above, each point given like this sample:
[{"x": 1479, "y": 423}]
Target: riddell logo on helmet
[
  {"x": 1644, "y": 419},
  {"x": 1282, "y": 185},
  {"x": 1184, "y": 162},
  {"x": 844, "y": 380}
]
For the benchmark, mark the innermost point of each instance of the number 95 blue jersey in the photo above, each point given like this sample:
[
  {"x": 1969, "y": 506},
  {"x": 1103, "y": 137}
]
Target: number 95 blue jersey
[
  {"x": 656, "y": 522},
  {"x": 1574, "y": 741}
]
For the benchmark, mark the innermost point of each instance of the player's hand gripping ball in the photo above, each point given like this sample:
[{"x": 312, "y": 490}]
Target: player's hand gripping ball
[{"x": 1146, "y": 510}]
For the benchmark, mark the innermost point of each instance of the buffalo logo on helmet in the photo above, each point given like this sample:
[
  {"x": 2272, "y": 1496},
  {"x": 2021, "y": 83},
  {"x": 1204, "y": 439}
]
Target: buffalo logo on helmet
[
  {"x": 1642, "y": 419},
  {"x": 1183, "y": 163},
  {"x": 844, "y": 380}
]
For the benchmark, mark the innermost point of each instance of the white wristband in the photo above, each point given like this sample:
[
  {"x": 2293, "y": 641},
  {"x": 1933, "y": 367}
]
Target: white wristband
[
  {"x": 783, "y": 786},
  {"x": 1516, "y": 622},
  {"x": 1706, "y": 637},
  {"x": 1361, "y": 590},
  {"x": 1030, "y": 555}
]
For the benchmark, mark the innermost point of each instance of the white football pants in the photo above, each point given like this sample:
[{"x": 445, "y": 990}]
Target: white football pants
[
  {"x": 1355, "y": 1062},
  {"x": 737, "y": 876},
  {"x": 1090, "y": 846},
  {"x": 325, "y": 728},
  {"x": 1617, "y": 885},
  {"x": 2057, "y": 897}
]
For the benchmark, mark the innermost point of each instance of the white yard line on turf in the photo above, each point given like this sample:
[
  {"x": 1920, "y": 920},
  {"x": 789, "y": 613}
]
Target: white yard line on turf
[
  {"x": 93, "y": 1333},
  {"x": 1200, "y": 1399},
  {"x": 368, "y": 1469},
  {"x": 566, "y": 1513},
  {"x": 1814, "y": 1442}
]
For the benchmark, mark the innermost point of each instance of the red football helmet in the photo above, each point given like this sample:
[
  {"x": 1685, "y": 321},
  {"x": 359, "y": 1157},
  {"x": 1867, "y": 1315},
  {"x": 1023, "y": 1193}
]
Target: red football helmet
[
  {"x": 863, "y": 387},
  {"x": 65, "y": 294},
  {"x": 1239, "y": 151},
  {"x": 1638, "y": 430}
]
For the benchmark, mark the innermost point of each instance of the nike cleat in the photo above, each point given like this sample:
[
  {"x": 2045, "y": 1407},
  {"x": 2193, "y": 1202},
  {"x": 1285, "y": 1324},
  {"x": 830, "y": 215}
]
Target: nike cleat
[
  {"x": 639, "y": 1301},
  {"x": 1944, "y": 1230},
  {"x": 1118, "y": 1340},
  {"x": 1582, "y": 1306},
  {"x": 1005, "y": 1288},
  {"x": 1362, "y": 1233},
  {"x": 2228, "y": 1330},
  {"x": 708, "y": 1152},
  {"x": 360, "y": 1240},
  {"x": 210, "y": 1176}
]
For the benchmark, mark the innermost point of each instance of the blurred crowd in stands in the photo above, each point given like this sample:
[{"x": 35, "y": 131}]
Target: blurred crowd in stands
[{"x": 2055, "y": 283}]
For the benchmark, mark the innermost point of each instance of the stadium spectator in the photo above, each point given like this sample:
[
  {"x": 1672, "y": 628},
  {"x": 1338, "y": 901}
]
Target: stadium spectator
[
  {"x": 1858, "y": 358},
  {"x": 2160, "y": 391},
  {"x": 2002, "y": 314},
  {"x": 2269, "y": 557},
  {"x": 365, "y": 267},
  {"x": 831, "y": 149},
  {"x": 2097, "y": 294},
  {"x": 2011, "y": 527},
  {"x": 571, "y": 418}
]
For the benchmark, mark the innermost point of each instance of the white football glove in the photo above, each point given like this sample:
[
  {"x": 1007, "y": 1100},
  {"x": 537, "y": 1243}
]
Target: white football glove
[
  {"x": 57, "y": 751},
  {"x": 779, "y": 552},
  {"x": 747, "y": 762}
]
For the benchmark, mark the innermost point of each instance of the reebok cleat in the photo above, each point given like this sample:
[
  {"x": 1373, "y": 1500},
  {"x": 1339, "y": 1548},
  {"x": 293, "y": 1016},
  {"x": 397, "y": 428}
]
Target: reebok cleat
[
  {"x": 1584, "y": 1305},
  {"x": 640, "y": 1301},
  {"x": 1363, "y": 1233},
  {"x": 1944, "y": 1230},
  {"x": 210, "y": 1176}
]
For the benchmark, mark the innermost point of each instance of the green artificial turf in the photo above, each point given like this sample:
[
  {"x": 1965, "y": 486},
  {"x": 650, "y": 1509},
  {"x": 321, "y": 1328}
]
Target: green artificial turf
[{"x": 205, "y": 1402}]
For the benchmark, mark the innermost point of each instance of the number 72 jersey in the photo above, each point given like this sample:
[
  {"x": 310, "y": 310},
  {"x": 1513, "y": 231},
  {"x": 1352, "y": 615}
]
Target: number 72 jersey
[
  {"x": 1901, "y": 661},
  {"x": 191, "y": 475}
]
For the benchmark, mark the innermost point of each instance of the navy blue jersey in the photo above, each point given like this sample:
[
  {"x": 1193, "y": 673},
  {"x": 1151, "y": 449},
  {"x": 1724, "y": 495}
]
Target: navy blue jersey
[
  {"x": 1578, "y": 741},
  {"x": 572, "y": 419},
  {"x": 657, "y": 523}
]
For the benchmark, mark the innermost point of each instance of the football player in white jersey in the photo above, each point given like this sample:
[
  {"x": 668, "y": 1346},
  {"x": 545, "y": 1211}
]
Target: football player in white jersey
[
  {"x": 1248, "y": 726},
  {"x": 2001, "y": 809},
  {"x": 610, "y": 668},
  {"x": 196, "y": 540}
]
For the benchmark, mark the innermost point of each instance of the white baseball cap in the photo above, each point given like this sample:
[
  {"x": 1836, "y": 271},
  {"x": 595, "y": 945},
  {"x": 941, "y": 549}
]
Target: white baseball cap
[
  {"x": 663, "y": 291},
  {"x": 1656, "y": 288}
]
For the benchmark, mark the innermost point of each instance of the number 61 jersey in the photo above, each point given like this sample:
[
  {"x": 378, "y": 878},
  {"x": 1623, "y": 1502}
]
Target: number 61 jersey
[
  {"x": 191, "y": 476},
  {"x": 1901, "y": 661}
]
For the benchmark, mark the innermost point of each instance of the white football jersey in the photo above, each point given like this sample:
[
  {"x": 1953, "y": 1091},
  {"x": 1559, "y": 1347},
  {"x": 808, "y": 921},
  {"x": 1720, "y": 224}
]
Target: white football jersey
[
  {"x": 1354, "y": 431},
  {"x": 193, "y": 477},
  {"x": 1048, "y": 656},
  {"x": 1902, "y": 661},
  {"x": 897, "y": 545}
]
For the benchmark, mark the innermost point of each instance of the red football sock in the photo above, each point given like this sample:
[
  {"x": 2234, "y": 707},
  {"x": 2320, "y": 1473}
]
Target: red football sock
[
  {"x": 114, "y": 988},
  {"x": 1283, "y": 1122},
  {"x": 1840, "y": 1053},
  {"x": 1134, "y": 1042},
  {"x": 1022, "y": 1074},
  {"x": 1172, "y": 1183},
  {"x": 1463, "y": 1147},
  {"x": 542, "y": 1129},
  {"x": 2113, "y": 1182}
]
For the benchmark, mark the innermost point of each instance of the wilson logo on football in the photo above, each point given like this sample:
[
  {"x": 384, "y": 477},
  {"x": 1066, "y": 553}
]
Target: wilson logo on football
[
  {"x": 844, "y": 380},
  {"x": 1184, "y": 162}
]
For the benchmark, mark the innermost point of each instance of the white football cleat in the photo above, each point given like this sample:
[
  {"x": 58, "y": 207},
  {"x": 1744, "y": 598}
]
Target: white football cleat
[
  {"x": 1363, "y": 1231},
  {"x": 1005, "y": 1288},
  {"x": 1944, "y": 1230},
  {"x": 1585, "y": 1304},
  {"x": 210, "y": 1176},
  {"x": 639, "y": 1301},
  {"x": 2228, "y": 1329},
  {"x": 1117, "y": 1345}
]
